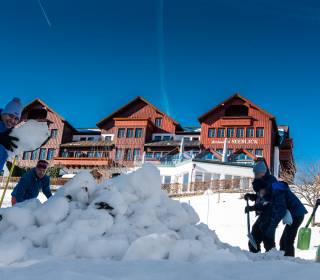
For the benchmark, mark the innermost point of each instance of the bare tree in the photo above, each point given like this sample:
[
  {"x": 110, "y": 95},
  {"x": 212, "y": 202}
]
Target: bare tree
[{"x": 307, "y": 186}]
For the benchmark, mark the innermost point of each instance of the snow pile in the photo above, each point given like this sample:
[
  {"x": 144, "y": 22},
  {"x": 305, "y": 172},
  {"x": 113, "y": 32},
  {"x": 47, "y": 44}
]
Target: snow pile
[
  {"x": 32, "y": 134},
  {"x": 125, "y": 218}
]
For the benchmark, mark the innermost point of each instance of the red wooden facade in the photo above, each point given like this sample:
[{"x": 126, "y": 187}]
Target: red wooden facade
[
  {"x": 61, "y": 132},
  {"x": 133, "y": 126},
  {"x": 246, "y": 126}
]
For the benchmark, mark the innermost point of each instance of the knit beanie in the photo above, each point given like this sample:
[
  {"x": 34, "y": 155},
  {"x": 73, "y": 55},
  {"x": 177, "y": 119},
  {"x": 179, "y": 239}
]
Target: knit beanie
[{"x": 14, "y": 107}]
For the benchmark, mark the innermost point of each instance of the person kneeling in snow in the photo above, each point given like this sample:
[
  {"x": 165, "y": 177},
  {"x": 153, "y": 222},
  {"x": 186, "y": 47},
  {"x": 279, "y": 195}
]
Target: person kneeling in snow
[
  {"x": 262, "y": 197},
  {"x": 31, "y": 183},
  {"x": 9, "y": 118}
]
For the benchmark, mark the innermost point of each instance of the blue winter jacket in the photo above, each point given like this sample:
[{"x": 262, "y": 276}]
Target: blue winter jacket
[
  {"x": 3, "y": 151},
  {"x": 282, "y": 199},
  {"x": 30, "y": 185}
]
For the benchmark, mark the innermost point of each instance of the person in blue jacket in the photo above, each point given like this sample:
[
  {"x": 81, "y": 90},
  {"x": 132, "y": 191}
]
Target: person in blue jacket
[
  {"x": 9, "y": 118},
  {"x": 284, "y": 199},
  {"x": 31, "y": 183}
]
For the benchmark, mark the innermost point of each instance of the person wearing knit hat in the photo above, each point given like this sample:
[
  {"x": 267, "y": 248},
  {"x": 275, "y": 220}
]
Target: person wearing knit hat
[
  {"x": 259, "y": 169},
  {"x": 9, "y": 118}
]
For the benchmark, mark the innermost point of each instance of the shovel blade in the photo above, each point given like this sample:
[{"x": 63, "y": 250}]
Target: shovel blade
[
  {"x": 304, "y": 238},
  {"x": 252, "y": 241}
]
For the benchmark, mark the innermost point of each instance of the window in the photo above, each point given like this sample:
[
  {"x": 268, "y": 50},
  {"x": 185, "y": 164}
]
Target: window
[
  {"x": 98, "y": 155},
  {"x": 149, "y": 155},
  {"x": 90, "y": 138},
  {"x": 195, "y": 138},
  {"x": 50, "y": 154},
  {"x": 54, "y": 133},
  {"x": 158, "y": 122},
  {"x": 77, "y": 154},
  {"x": 259, "y": 152},
  {"x": 230, "y": 152},
  {"x": 119, "y": 154},
  {"x": 130, "y": 133},
  {"x": 26, "y": 155},
  {"x": 230, "y": 132},
  {"x": 83, "y": 138},
  {"x": 34, "y": 155},
  {"x": 211, "y": 132},
  {"x": 198, "y": 177},
  {"x": 250, "y": 151},
  {"x": 157, "y": 155},
  {"x": 108, "y": 138},
  {"x": 90, "y": 154},
  {"x": 65, "y": 154},
  {"x": 166, "y": 137},
  {"x": 260, "y": 132},
  {"x": 128, "y": 154},
  {"x": 136, "y": 154},
  {"x": 121, "y": 132},
  {"x": 221, "y": 132},
  {"x": 138, "y": 133},
  {"x": 157, "y": 138},
  {"x": 240, "y": 132},
  {"x": 43, "y": 154},
  {"x": 250, "y": 132},
  {"x": 167, "y": 180},
  {"x": 219, "y": 151}
]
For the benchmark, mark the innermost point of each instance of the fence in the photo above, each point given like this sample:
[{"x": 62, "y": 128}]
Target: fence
[{"x": 173, "y": 189}]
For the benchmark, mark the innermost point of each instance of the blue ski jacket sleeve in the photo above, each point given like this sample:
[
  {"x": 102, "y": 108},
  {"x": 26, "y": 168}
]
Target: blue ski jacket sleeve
[{"x": 3, "y": 151}]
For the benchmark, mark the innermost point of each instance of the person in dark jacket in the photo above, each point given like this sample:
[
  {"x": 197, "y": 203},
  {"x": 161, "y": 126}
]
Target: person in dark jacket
[
  {"x": 9, "y": 118},
  {"x": 31, "y": 183},
  {"x": 262, "y": 197},
  {"x": 284, "y": 199}
]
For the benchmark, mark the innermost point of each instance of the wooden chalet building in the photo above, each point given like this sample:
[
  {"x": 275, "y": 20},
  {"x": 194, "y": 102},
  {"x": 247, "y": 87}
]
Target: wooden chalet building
[
  {"x": 61, "y": 131},
  {"x": 251, "y": 132},
  {"x": 140, "y": 128}
]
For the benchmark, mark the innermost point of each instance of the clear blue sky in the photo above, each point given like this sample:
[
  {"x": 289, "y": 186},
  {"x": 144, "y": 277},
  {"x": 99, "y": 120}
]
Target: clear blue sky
[{"x": 91, "y": 57}]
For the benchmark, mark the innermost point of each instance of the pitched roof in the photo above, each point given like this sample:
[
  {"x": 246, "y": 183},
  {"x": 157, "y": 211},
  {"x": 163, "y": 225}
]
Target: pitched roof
[
  {"x": 236, "y": 95},
  {"x": 123, "y": 108},
  {"x": 38, "y": 100}
]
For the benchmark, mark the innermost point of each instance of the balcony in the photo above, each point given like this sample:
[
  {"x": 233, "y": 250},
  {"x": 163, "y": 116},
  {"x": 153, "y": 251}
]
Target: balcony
[
  {"x": 82, "y": 161},
  {"x": 237, "y": 121}
]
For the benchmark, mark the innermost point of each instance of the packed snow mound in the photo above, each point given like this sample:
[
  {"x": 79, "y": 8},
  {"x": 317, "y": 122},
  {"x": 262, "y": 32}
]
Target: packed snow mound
[
  {"x": 126, "y": 218},
  {"x": 32, "y": 134}
]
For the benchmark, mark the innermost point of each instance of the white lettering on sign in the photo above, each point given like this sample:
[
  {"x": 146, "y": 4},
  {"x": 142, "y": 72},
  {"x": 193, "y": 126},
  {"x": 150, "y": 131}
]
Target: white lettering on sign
[{"x": 237, "y": 141}]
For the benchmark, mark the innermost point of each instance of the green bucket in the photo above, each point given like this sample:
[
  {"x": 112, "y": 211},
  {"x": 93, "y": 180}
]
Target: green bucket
[{"x": 304, "y": 238}]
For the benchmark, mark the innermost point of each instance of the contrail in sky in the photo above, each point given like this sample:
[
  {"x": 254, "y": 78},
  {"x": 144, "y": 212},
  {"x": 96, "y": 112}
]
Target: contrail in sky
[
  {"x": 161, "y": 55},
  {"x": 44, "y": 13}
]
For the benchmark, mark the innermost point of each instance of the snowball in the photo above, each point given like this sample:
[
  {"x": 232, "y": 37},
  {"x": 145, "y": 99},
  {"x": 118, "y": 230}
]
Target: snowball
[
  {"x": 12, "y": 252},
  {"x": 151, "y": 247},
  {"x": 54, "y": 210},
  {"x": 32, "y": 134},
  {"x": 19, "y": 217}
]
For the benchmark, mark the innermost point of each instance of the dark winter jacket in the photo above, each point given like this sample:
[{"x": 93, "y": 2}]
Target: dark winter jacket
[
  {"x": 282, "y": 199},
  {"x": 3, "y": 151},
  {"x": 30, "y": 185}
]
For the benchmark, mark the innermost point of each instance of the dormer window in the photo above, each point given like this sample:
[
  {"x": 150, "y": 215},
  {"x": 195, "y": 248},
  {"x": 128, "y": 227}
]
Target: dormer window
[
  {"x": 237, "y": 111},
  {"x": 158, "y": 122}
]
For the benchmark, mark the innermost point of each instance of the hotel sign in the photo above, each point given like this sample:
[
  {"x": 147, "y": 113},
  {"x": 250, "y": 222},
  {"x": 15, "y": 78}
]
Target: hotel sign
[{"x": 240, "y": 141}]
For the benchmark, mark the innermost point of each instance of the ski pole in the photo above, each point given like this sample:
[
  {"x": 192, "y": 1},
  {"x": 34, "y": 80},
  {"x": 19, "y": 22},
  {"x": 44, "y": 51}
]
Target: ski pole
[{"x": 8, "y": 180}]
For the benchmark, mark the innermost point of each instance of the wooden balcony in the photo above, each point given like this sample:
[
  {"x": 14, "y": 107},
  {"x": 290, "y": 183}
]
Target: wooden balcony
[
  {"x": 82, "y": 162},
  {"x": 237, "y": 121}
]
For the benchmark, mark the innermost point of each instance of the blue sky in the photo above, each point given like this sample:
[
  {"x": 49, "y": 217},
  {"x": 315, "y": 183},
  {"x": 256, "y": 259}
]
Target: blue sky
[{"x": 183, "y": 56}]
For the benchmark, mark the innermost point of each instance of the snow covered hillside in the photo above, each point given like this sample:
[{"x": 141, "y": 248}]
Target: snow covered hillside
[{"x": 128, "y": 228}]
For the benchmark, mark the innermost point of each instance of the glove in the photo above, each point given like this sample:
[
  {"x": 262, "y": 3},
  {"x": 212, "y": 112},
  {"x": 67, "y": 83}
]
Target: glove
[
  {"x": 7, "y": 141},
  {"x": 249, "y": 209},
  {"x": 13, "y": 200},
  {"x": 250, "y": 196}
]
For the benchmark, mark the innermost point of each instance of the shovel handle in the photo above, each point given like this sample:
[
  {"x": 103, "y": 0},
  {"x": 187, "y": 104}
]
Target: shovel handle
[
  {"x": 248, "y": 219},
  {"x": 312, "y": 215}
]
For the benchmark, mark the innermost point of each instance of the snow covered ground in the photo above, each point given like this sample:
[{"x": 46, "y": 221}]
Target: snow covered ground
[{"x": 153, "y": 238}]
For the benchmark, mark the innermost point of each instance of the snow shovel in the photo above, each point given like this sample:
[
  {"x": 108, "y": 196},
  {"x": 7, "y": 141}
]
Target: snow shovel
[
  {"x": 318, "y": 255},
  {"x": 304, "y": 235},
  {"x": 8, "y": 181},
  {"x": 251, "y": 239}
]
